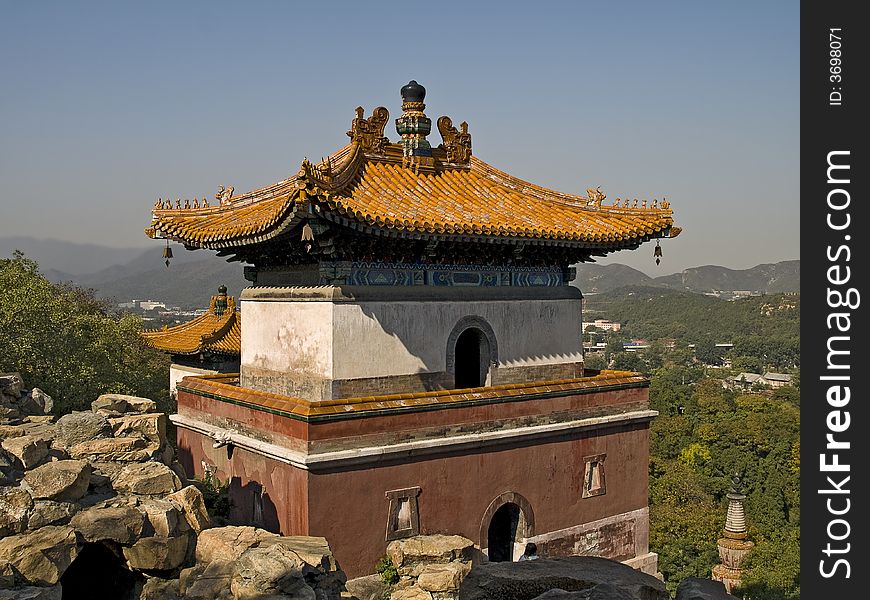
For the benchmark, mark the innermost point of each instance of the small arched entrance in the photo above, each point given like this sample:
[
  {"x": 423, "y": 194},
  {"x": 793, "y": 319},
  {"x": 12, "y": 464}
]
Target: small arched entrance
[
  {"x": 506, "y": 526},
  {"x": 472, "y": 359}
]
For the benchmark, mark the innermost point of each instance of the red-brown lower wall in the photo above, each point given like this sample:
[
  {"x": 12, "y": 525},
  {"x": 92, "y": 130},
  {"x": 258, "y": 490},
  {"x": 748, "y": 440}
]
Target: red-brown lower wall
[{"x": 350, "y": 509}]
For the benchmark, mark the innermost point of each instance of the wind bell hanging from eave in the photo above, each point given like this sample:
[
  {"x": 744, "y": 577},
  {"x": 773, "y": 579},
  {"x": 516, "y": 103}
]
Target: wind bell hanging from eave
[
  {"x": 657, "y": 252},
  {"x": 167, "y": 253}
]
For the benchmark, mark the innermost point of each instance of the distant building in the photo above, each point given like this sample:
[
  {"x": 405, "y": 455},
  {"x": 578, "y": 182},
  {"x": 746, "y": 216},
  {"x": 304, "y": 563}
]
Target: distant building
[
  {"x": 777, "y": 380},
  {"x": 151, "y": 305},
  {"x": 603, "y": 324},
  {"x": 635, "y": 345},
  {"x": 743, "y": 381}
]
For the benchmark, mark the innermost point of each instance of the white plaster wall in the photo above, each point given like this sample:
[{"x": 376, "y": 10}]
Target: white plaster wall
[
  {"x": 288, "y": 336},
  {"x": 374, "y": 339},
  {"x": 177, "y": 372}
]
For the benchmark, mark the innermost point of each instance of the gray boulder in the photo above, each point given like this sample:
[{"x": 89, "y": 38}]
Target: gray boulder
[
  {"x": 370, "y": 587},
  {"x": 602, "y": 591},
  {"x": 529, "y": 579},
  {"x": 11, "y": 384},
  {"x": 33, "y": 593},
  {"x": 695, "y": 588},
  {"x": 36, "y": 402},
  {"x": 49, "y": 512},
  {"x": 78, "y": 427}
]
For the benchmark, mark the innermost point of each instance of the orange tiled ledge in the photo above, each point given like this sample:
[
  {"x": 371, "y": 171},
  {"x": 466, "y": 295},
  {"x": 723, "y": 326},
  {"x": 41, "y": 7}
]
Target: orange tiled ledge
[{"x": 225, "y": 387}]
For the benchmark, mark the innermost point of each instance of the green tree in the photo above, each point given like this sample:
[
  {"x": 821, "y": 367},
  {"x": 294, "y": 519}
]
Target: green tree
[{"x": 66, "y": 342}]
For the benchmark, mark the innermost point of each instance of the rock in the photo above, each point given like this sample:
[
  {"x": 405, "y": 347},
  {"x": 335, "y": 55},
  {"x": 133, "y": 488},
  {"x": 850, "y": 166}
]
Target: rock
[
  {"x": 149, "y": 479},
  {"x": 9, "y": 413},
  {"x": 120, "y": 449},
  {"x": 78, "y": 427},
  {"x": 270, "y": 572},
  {"x": 157, "y": 553},
  {"x": 370, "y": 587},
  {"x": 49, "y": 512},
  {"x": 410, "y": 552},
  {"x": 442, "y": 578},
  {"x": 122, "y": 403},
  {"x": 230, "y": 542},
  {"x": 529, "y": 579},
  {"x": 191, "y": 503},
  {"x": 602, "y": 591},
  {"x": 29, "y": 449},
  {"x": 36, "y": 402},
  {"x": 7, "y": 575},
  {"x": 54, "y": 592},
  {"x": 156, "y": 588},
  {"x": 122, "y": 525},
  {"x": 695, "y": 588},
  {"x": 10, "y": 467},
  {"x": 151, "y": 426},
  {"x": 411, "y": 593},
  {"x": 41, "y": 556},
  {"x": 207, "y": 581},
  {"x": 162, "y": 518},
  {"x": 63, "y": 480},
  {"x": 15, "y": 506},
  {"x": 11, "y": 384}
]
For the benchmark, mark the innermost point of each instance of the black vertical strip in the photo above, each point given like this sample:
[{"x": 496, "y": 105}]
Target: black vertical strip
[{"x": 834, "y": 226}]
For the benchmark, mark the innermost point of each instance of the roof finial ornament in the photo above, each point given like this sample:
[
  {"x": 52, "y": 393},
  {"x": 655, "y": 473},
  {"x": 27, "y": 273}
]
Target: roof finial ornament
[
  {"x": 224, "y": 194},
  {"x": 596, "y": 196},
  {"x": 369, "y": 133},
  {"x": 414, "y": 126},
  {"x": 456, "y": 143}
]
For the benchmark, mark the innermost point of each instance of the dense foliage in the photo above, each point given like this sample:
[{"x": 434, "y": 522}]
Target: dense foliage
[
  {"x": 705, "y": 432},
  {"x": 67, "y": 342},
  {"x": 765, "y": 330}
]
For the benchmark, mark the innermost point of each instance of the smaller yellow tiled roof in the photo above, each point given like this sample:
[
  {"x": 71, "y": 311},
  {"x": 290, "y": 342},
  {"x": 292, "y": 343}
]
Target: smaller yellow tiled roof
[{"x": 216, "y": 331}]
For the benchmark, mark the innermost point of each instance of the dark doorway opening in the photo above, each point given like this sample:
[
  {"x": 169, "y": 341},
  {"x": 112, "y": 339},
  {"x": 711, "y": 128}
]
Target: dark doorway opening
[
  {"x": 503, "y": 531},
  {"x": 472, "y": 359},
  {"x": 98, "y": 572}
]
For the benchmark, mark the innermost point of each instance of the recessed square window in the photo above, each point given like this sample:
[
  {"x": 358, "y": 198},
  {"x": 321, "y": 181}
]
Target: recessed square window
[
  {"x": 403, "y": 518},
  {"x": 593, "y": 478}
]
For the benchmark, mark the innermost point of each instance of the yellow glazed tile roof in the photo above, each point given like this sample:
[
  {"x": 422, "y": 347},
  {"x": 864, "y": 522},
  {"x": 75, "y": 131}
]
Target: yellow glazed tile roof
[
  {"x": 210, "y": 332},
  {"x": 357, "y": 187}
]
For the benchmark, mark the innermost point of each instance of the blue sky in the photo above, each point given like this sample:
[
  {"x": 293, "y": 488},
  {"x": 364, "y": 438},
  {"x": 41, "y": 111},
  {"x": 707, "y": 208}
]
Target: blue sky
[{"x": 107, "y": 105}]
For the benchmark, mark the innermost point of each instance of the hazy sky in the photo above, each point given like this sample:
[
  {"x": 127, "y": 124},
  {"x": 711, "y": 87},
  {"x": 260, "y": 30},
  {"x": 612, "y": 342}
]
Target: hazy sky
[{"x": 106, "y": 106}]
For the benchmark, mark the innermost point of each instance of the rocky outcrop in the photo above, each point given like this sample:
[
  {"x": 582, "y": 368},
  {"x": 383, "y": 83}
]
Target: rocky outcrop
[
  {"x": 430, "y": 567},
  {"x": 104, "y": 484},
  {"x": 532, "y": 579},
  {"x": 695, "y": 588}
]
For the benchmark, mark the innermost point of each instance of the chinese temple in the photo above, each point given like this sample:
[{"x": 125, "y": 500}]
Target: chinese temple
[
  {"x": 411, "y": 357},
  {"x": 206, "y": 345}
]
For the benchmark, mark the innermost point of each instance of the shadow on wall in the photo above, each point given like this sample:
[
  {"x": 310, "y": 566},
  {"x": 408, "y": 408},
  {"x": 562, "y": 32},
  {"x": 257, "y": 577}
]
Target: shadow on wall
[{"x": 253, "y": 506}]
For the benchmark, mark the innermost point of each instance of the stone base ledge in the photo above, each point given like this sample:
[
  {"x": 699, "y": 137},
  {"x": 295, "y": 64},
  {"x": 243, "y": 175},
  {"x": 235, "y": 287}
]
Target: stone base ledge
[{"x": 646, "y": 563}]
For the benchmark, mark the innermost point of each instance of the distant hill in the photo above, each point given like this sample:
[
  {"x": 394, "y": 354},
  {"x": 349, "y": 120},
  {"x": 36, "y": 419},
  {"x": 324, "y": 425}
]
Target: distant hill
[
  {"x": 127, "y": 273},
  {"x": 68, "y": 257},
  {"x": 765, "y": 278},
  {"x": 189, "y": 282}
]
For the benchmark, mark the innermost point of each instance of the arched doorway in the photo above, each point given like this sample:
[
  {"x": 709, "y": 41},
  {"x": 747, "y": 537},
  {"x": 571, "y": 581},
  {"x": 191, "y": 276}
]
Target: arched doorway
[
  {"x": 472, "y": 359},
  {"x": 502, "y": 534},
  {"x": 506, "y": 526}
]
